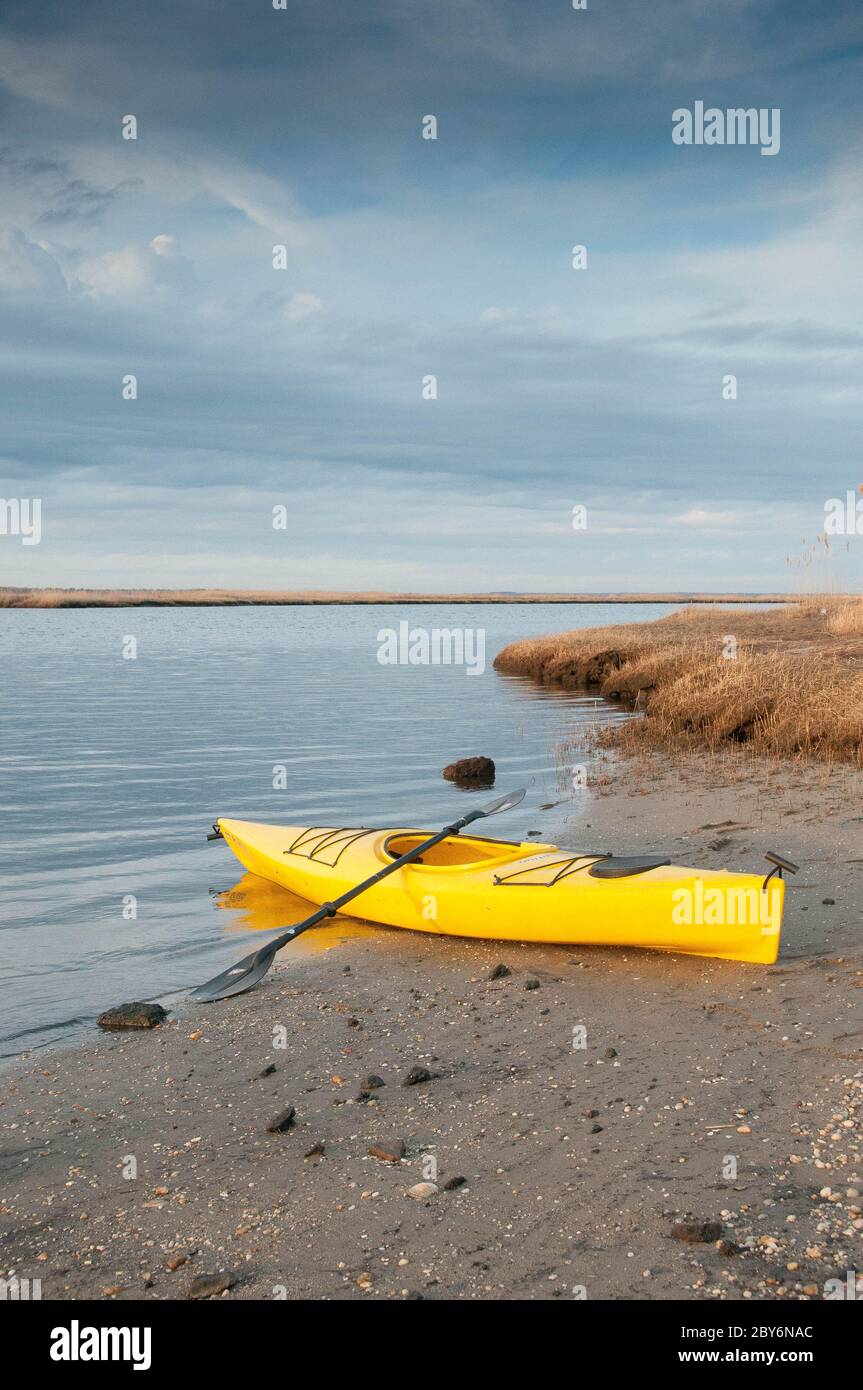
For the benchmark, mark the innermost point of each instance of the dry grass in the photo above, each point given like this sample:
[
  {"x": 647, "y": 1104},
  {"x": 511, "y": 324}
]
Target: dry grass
[
  {"x": 794, "y": 688},
  {"x": 208, "y": 598},
  {"x": 846, "y": 618}
]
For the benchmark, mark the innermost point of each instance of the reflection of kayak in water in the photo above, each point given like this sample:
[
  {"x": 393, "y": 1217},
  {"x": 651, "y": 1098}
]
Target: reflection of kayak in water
[{"x": 257, "y": 905}]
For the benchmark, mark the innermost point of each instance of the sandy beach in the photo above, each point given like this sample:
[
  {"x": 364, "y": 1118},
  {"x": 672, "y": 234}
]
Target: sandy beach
[{"x": 706, "y": 1092}]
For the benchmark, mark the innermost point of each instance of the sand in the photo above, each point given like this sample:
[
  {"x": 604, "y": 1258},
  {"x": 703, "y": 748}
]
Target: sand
[{"x": 705, "y": 1090}]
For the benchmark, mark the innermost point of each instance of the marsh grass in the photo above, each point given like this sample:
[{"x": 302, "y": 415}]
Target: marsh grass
[{"x": 783, "y": 683}]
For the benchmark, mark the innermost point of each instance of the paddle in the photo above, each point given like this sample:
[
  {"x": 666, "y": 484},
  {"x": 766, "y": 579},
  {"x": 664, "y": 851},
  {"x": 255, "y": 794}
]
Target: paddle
[{"x": 249, "y": 971}]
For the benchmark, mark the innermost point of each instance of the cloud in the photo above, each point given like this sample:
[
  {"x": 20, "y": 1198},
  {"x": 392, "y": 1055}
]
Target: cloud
[
  {"x": 27, "y": 270},
  {"x": 134, "y": 273}
]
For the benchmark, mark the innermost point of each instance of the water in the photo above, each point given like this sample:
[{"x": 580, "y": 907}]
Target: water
[{"x": 114, "y": 769}]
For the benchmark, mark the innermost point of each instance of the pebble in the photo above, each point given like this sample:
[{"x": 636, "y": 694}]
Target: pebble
[
  {"x": 282, "y": 1121},
  {"x": 696, "y": 1232},
  {"x": 134, "y": 1015},
  {"x": 391, "y": 1151},
  {"x": 417, "y": 1075},
  {"x": 208, "y": 1285}
]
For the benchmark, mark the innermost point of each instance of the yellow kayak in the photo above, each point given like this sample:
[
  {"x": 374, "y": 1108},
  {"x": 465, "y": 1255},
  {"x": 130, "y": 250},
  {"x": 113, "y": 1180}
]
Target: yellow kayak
[{"x": 470, "y": 886}]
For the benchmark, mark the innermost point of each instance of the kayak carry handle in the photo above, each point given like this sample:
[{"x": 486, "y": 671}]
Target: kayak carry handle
[
  {"x": 780, "y": 862},
  {"x": 216, "y": 833}
]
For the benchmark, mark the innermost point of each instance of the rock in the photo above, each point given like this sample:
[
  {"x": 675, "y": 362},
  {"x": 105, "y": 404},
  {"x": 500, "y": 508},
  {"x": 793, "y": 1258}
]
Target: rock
[
  {"x": 610, "y": 1053},
  {"x": 590, "y": 1114},
  {"x": 391, "y": 1151},
  {"x": 500, "y": 972},
  {"x": 176, "y": 1261},
  {"x": 531, "y": 984},
  {"x": 317, "y": 1150},
  {"x": 208, "y": 1285},
  {"x": 471, "y": 772},
  {"x": 417, "y": 1075},
  {"x": 696, "y": 1232},
  {"x": 134, "y": 1015},
  {"x": 452, "y": 1183},
  {"x": 282, "y": 1121},
  {"x": 596, "y": 1129},
  {"x": 373, "y": 1082},
  {"x": 268, "y": 1071},
  {"x": 421, "y": 1190},
  {"x": 828, "y": 902}
]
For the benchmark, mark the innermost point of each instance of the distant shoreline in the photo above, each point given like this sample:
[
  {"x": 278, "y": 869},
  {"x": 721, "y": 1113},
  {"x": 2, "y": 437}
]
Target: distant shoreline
[{"x": 226, "y": 598}]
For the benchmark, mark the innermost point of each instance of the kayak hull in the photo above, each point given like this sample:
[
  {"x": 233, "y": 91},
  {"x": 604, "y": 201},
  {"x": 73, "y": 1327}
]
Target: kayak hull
[{"x": 500, "y": 890}]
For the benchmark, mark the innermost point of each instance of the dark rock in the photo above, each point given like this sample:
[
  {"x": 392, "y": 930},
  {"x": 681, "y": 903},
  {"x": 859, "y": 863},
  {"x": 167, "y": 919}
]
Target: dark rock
[
  {"x": 353, "y": 1023},
  {"x": 268, "y": 1071},
  {"x": 471, "y": 772},
  {"x": 414, "y": 1296},
  {"x": 609, "y": 1053},
  {"x": 500, "y": 972},
  {"x": 317, "y": 1150},
  {"x": 391, "y": 1151},
  {"x": 452, "y": 1183},
  {"x": 373, "y": 1082},
  {"x": 134, "y": 1015},
  {"x": 696, "y": 1232},
  {"x": 596, "y": 1129},
  {"x": 207, "y": 1285},
  {"x": 362, "y": 1096},
  {"x": 282, "y": 1121},
  {"x": 828, "y": 902},
  {"x": 531, "y": 984},
  {"x": 590, "y": 1114},
  {"x": 417, "y": 1075}
]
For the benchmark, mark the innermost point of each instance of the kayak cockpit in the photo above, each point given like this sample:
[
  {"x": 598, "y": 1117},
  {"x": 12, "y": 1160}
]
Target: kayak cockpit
[{"x": 456, "y": 851}]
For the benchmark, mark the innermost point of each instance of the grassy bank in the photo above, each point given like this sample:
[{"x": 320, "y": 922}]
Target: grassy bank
[{"x": 785, "y": 682}]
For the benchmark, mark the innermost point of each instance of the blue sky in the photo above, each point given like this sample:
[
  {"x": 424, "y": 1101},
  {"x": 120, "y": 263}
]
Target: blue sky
[{"x": 408, "y": 257}]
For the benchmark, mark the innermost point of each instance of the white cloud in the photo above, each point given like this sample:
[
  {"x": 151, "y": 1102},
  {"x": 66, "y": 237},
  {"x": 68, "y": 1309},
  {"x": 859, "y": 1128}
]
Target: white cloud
[{"x": 135, "y": 271}]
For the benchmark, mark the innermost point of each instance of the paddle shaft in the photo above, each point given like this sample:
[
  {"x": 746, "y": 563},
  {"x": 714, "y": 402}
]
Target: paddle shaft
[{"x": 330, "y": 909}]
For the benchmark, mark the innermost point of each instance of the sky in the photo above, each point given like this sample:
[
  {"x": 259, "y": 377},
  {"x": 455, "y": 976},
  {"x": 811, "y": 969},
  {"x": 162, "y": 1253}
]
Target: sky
[{"x": 407, "y": 258}]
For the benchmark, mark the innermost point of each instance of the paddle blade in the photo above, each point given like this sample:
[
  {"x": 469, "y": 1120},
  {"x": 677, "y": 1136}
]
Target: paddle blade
[
  {"x": 505, "y": 803},
  {"x": 243, "y": 976}
]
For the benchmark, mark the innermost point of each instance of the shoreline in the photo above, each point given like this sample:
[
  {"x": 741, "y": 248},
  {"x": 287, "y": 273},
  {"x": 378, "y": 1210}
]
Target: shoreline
[
  {"x": 577, "y": 1162},
  {"x": 224, "y": 598}
]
